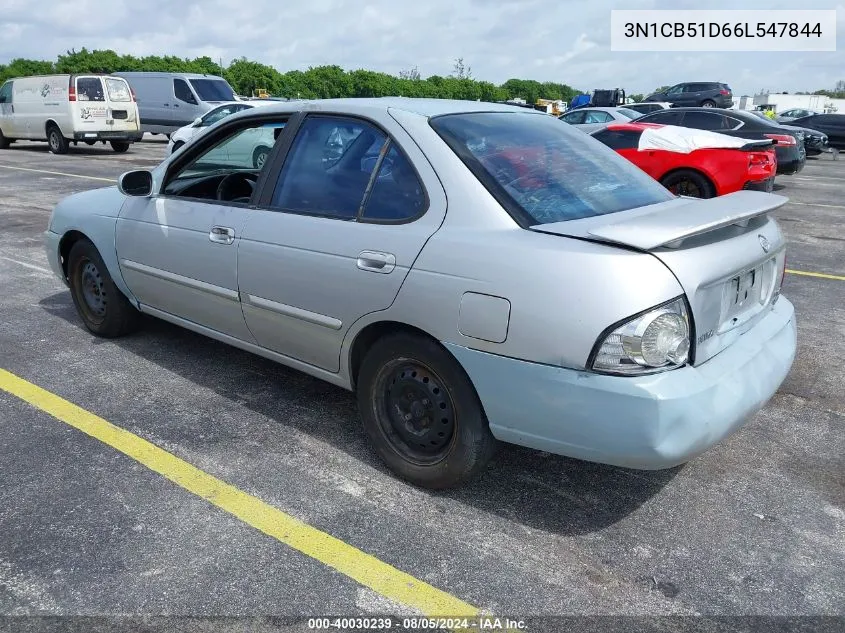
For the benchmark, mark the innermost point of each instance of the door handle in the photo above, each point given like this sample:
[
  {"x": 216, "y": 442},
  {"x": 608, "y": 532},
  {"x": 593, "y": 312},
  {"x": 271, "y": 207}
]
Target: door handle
[
  {"x": 376, "y": 261},
  {"x": 222, "y": 235}
]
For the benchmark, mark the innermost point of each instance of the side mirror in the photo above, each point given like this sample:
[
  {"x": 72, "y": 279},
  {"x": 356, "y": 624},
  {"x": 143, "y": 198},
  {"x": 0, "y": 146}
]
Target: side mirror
[
  {"x": 136, "y": 183},
  {"x": 197, "y": 121}
]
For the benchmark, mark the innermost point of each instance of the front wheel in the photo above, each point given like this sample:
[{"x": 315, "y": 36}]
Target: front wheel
[
  {"x": 686, "y": 182},
  {"x": 422, "y": 413},
  {"x": 104, "y": 309},
  {"x": 120, "y": 146}
]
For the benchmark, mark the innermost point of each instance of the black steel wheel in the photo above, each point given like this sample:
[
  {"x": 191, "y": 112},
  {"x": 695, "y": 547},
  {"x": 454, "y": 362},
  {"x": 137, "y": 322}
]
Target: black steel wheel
[
  {"x": 104, "y": 309},
  {"x": 422, "y": 413},
  {"x": 685, "y": 182}
]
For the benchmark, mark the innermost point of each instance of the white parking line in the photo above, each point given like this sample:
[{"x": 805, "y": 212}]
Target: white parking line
[
  {"x": 27, "y": 265},
  {"x": 815, "y": 204},
  {"x": 59, "y": 173}
]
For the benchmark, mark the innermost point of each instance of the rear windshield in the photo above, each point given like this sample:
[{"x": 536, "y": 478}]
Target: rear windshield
[
  {"x": 631, "y": 114},
  {"x": 543, "y": 170},
  {"x": 212, "y": 89},
  {"x": 118, "y": 89},
  {"x": 89, "y": 89}
]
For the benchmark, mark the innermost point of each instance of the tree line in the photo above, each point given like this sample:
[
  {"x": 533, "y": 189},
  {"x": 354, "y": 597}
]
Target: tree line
[{"x": 320, "y": 82}]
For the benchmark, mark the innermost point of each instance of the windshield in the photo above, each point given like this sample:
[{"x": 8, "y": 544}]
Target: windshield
[
  {"x": 212, "y": 89},
  {"x": 543, "y": 171},
  {"x": 631, "y": 114}
]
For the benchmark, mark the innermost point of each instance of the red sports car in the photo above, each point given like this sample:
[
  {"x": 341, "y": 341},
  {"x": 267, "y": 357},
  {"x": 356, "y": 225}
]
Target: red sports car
[{"x": 694, "y": 163}]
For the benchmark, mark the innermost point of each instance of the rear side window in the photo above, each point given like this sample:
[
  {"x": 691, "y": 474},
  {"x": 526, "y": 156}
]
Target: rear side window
[
  {"x": 6, "y": 92},
  {"x": 704, "y": 121},
  {"x": 543, "y": 172},
  {"x": 182, "y": 92},
  {"x": 664, "y": 117},
  {"x": 118, "y": 89},
  {"x": 397, "y": 193},
  {"x": 89, "y": 89}
]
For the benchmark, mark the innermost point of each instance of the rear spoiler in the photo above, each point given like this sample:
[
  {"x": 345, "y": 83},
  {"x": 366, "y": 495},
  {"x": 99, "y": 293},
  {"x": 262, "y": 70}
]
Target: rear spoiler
[
  {"x": 753, "y": 146},
  {"x": 671, "y": 228},
  {"x": 669, "y": 224}
]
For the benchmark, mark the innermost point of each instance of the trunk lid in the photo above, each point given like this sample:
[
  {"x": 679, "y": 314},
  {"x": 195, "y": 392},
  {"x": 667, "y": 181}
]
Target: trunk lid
[{"x": 726, "y": 252}]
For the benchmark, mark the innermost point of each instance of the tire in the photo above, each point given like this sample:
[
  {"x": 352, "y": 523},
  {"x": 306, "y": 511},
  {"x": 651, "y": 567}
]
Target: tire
[
  {"x": 4, "y": 142},
  {"x": 120, "y": 146},
  {"x": 176, "y": 146},
  {"x": 707, "y": 103},
  {"x": 444, "y": 413},
  {"x": 57, "y": 142},
  {"x": 259, "y": 157},
  {"x": 104, "y": 309},
  {"x": 686, "y": 182}
]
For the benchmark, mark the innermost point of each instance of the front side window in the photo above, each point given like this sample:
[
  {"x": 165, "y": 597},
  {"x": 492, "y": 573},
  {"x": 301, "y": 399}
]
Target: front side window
[
  {"x": 329, "y": 167},
  {"x": 6, "y": 92},
  {"x": 675, "y": 90},
  {"x": 118, "y": 89},
  {"x": 213, "y": 89},
  {"x": 237, "y": 158},
  {"x": 89, "y": 89},
  {"x": 631, "y": 114},
  {"x": 704, "y": 121},
  {"x": 182, "y": 92},
  {"x": 597, "y": 116},
  {"x": 663, "y": 117},
  {"x": 619, "y": 139},
  {"x": 544, "y": 172}
]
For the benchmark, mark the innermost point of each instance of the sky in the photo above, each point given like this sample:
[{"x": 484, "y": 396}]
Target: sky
[{"x": 566, "y": 41}]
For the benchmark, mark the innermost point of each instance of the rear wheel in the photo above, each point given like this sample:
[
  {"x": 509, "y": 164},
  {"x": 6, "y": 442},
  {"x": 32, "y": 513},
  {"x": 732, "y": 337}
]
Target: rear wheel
[
  {"x": 708, "y": 104},
  {"x": 686, "y": 182},
  {"x": 422, "y": 413},
  {"x": 259, "y": 157},
  {"x": 120, "y": 146},
  {"x": 58, "y": 143},
  {"x": 104, "y": 309}
]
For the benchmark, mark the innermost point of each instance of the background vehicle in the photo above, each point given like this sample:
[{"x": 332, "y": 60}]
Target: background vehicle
[
  {"x": 790, "y": 142},
  {"x": 590, "y": 119},
  {"x": 394, "y": 286},
  {"x": 795, "y": 113},
  {"x": 200, "y": 124},
  {"x": 716, "y": 168},
  {"x": 706, "y": 94},
  {"x": 168, "y": 101},
  {"x": 833, "y": 125},
  {"x": 64, "y": 109},
  {"x": 815, "y": 142},
  {"x": 646, "y": 107}
]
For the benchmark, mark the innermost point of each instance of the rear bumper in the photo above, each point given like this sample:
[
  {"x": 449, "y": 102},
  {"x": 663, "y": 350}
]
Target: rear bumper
[
  {"x": 767, "y": 185},
  {"x": 790, "y": 160},
  {"x": 647, "y": 422},
  {"x": 130, "y": 136}
]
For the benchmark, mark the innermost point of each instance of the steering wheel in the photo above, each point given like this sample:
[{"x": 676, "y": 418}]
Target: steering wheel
[{"x": 237, "y": 187}]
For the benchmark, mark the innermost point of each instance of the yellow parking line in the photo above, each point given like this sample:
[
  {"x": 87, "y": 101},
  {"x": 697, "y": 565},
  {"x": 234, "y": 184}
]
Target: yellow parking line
[
  {"x": 348, "y": 560},
  {"x": 58, "y": 173},
  {"x": 822, "y": 275}
]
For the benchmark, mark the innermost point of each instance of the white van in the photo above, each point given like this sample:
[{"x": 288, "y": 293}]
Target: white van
[
  {"x": 169, "y": 101},
  {"x": 64, "y": 109}
]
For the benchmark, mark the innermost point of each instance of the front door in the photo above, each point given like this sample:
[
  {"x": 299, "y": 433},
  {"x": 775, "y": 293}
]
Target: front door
[
  {"x": 178, "y": 249},
  {"x": 335, "y": 234}
]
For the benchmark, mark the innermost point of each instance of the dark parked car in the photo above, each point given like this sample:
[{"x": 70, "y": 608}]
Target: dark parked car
[
  {"x": 706, "y": 94},
  {"x": 790, "y": 142},
  {"x": 831, "y": 124},
  {"x": 645, "y": 108}
]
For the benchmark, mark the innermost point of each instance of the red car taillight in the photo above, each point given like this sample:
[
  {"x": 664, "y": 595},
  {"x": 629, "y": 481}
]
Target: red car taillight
[
  {"x": 724, "y": 92},
  {"x": 132, "y": 90},
  {"x": 759, "y": 160},
  {"x": 71, "y": 91},
  {"x": 782, "y": 139}
]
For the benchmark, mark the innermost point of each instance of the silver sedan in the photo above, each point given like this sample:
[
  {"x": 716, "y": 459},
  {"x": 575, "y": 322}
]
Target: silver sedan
[
  {"x": 474, "y": 272},
  {"x": 593, "y": 119}
]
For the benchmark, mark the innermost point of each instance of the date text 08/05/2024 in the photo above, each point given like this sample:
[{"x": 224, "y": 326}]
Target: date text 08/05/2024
[
  {"x": 482, "y": 623},
  {"x": 725, "y": 29}
]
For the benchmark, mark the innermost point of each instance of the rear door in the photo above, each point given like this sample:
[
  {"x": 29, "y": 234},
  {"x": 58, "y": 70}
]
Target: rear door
[
  {"x": 335, "y": 234},
  {"x": 122, "y": 109},
  {"x": 185, "y": 104},
  {"x": 7, "y": 108}
]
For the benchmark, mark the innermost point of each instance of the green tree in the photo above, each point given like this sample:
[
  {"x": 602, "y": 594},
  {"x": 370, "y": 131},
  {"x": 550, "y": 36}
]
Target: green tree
[{"x": 637, "y": 97}]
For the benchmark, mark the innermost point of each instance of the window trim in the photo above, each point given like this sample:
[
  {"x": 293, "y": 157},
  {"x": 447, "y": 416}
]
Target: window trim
[{"x": 277, "y": 163}]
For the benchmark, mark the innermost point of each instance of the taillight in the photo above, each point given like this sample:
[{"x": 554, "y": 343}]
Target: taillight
[
  {"x": 759, "y": 160},
  {"x": 782, "y": 139},
  {"x": 132, "y": 91},
  {"x": 71, "y": 91},
  {"x": 724, "y": 92}
]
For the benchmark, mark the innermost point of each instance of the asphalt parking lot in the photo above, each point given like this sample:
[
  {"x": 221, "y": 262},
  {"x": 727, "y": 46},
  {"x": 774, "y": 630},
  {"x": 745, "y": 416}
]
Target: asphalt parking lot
[{"x": 756, "y": 526}]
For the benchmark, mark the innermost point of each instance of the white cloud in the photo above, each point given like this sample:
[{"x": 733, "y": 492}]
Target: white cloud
[{"x": 564, "y": 40}]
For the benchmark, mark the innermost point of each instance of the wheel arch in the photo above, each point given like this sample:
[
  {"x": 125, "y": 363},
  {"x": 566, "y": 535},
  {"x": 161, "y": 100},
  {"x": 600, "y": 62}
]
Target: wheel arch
[{"x": 696, "y": 170}]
